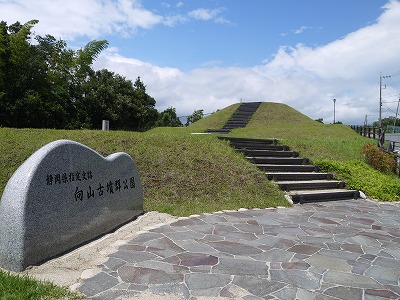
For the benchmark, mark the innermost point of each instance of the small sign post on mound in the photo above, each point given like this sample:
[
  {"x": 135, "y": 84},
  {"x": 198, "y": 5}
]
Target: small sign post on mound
[{"x": 62, "y": 196}]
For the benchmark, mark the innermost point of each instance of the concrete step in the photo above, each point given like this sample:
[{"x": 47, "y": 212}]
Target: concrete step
[
  {"x": 287, "y": 168},
  {"x": 237, "y": 121},
  {"x": 249, "y": 104},
  {"x": 238, "y": 146},
  {"x": 323, "y": 195},
  {"x": 235, "y": 124},
  {"x": 311, "y": 185},
  {"x": 221, "y": 130},
  {"x": 267, "y": 153},
  {"x": 241, "y": 116},
  {"x": 259, "y": 146},
  {"x": 250, "y": 140},
  {"x": 298, "y": 176},
  {"x": 244, "y": 114},
  {"x": 247, "y": 108},
  {"x": 302, "y": 181},
  {"x": 278, "y": 160}
]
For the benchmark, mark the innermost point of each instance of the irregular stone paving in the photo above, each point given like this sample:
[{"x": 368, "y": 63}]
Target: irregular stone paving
[{"x": 331, "y": 250}]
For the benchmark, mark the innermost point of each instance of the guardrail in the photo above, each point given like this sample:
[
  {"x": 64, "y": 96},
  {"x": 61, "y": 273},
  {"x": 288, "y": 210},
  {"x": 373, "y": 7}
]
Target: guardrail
[
  {"x": 387, "y": 146},
  {"x": 367, "y": 131}
]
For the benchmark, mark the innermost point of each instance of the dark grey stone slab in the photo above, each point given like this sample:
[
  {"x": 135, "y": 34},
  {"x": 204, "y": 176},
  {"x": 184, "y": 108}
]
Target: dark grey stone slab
[
  {"x": 64, "y": 195},
  {"x": 147, "y": 276},
  {"x": 132, "y": 257},
  {"x": 235, "y": 248},
  {"x": 162, "y": 266},
  {"x": 342, "y": 292},
  {"x": 184, "y": 235},
  {"x": 230, "y": 234},
  {"x": 145, "y": 237},
  {"x": 236, "y": 266},
  {"x": 250, "y": 228},
  {"x": 114, "y": 263},
  {"x": 287, "y": 293},
  {"x": 350, "y": 280},
  {"x": 373, "y": 294},
  {"x": 98, "y": 284},
  {"x": 387, "y": 262},
  {"x": 164, "y": 247},
  {"x": 329, "y": 262},
  {"x": 384, "y": 275},
  {"x": 298, "y": 278},
  {"x": 197, "y": 259},
  {"x": 172, "y": 289},
  {"x": 198, "y": 281},
  {"x": 258, "y": 286},
  {"x": 116, "y": 294},
  {"x": 274, "y": 255},
  {"x": 196, "y": 246}
]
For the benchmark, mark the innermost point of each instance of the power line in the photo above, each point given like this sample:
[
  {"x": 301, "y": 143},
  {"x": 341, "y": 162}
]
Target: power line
[
  {"x": 396, "y": 73},
  {"x": 391, "y": 92},
  {"x": 392, "y": 86}
]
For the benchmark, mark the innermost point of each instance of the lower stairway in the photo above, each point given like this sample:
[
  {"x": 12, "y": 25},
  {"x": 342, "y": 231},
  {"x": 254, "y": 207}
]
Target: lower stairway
[{"x": 302, "y": 181}]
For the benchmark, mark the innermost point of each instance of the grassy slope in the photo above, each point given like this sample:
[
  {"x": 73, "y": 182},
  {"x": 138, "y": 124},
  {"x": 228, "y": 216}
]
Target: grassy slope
[
  {"x": 182, "y": 174},
  {"x": 312, "y": 139},
  {"x": 335, "y": 148}
]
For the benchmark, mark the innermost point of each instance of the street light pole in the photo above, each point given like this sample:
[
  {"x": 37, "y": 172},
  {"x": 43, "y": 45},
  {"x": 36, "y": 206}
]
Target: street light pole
[{"x": 334, "y": 111}]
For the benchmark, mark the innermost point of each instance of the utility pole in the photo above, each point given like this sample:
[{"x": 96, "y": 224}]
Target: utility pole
[
  {"x": 395, "y": 118},
  {"x": 334, "y": 111},
  {"x": 380, "y": 97},
  {"x": 380, "y": 100}
]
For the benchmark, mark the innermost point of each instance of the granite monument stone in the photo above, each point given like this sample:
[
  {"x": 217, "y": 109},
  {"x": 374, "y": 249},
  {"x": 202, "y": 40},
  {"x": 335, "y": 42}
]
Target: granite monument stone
[{"x": 62, "y": 196}]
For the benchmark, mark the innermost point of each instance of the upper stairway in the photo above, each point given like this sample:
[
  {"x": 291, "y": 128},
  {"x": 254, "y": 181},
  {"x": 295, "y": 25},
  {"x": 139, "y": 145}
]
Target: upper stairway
[
  {"x": 302, "y": 181},
  {"x": 239, "y": 119}
]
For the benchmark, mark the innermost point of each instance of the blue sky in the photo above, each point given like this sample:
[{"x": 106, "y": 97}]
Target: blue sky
[
  {"x": 208, "y": 54},
  {"x": 243, "y": 33}
]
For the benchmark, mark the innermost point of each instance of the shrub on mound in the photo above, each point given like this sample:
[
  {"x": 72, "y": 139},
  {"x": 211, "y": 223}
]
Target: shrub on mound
[{"x": 379, "y": 159}]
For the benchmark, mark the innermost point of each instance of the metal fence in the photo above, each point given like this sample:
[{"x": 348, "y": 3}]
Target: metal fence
[{"x": 367, "y": 131}]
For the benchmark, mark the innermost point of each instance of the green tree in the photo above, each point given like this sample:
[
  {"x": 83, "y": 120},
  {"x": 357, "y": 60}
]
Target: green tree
[
  {"x": 41, "y": 84},
  {"x": 195, "y": 116},
  {"x": 168, "y": 118},
  {"x": 389, "y": 121},
  {"x": 148, "y": 115},
  {"x": 320, "y": 120},
  {"x": 46, "y": 84},
  {"x": 22, "y": 77},
  {"x": 109, "y": 96}
]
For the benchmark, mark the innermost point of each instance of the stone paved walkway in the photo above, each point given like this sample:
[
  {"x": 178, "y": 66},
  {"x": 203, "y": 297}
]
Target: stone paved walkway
[{"x": 332, "y": 250}]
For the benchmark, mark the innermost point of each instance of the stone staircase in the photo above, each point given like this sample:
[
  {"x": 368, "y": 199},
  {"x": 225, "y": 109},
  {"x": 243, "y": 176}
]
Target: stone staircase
[
  {"x": 239, "y": 119},
  {"x": 303, "y": 182}
]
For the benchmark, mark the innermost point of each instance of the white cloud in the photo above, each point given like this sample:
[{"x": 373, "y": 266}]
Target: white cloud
[
  {"x": 204, "y": 14},
  {"x": 301, "y": 29},
  {"x": 307, "y": 78},
  {"x": 171, "y": 21},
  {"x": 73, "y": 18},
  {"x": 95, "y": 18},
  {"x": 304, "y": 77}
]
